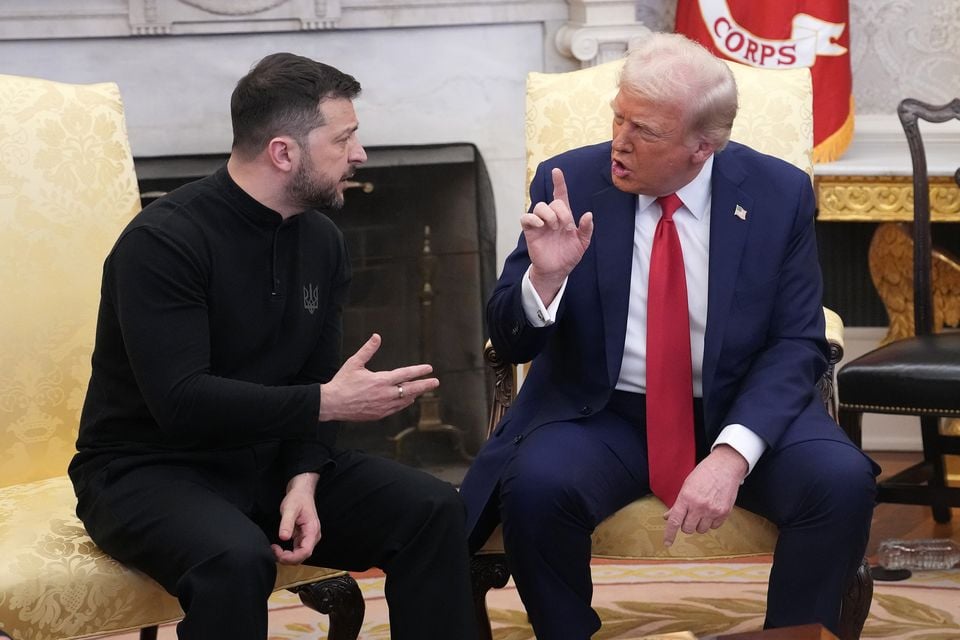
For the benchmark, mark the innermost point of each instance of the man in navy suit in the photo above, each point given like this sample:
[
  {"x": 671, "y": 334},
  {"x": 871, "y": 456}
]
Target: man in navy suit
[{"x": 573, "y": 298}]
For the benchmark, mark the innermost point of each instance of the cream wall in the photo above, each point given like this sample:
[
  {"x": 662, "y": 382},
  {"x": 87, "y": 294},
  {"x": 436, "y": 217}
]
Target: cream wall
[
  {"x": 433, "y": 71},
  {"x": 420, "y": 86},
  {"x": 458, "y": 79}
]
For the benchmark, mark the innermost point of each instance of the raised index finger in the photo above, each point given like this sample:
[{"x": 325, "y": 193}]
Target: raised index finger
[{"x": 560, "y": 187}]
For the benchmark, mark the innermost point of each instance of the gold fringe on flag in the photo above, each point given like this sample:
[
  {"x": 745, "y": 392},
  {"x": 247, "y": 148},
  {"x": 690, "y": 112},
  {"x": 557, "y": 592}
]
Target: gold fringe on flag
[{"x": 837, "y": 142}]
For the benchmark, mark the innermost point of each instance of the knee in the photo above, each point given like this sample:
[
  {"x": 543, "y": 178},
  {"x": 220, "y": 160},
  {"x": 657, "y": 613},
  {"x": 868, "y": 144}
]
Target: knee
[
  {"x": 438, "y": 502},
  {"x": 846, "y": 485},
  {"x": 855, "y": 479},
  {"x": 238, "y": 566},
  {"x": 536, "y": 502},
  {"x": 446, "y": 500},
  {"x": 249, "y": 558}
]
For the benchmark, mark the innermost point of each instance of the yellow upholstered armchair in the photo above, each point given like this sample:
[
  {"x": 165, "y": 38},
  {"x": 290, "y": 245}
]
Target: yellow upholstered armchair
[
  {"x": 67, "y": 188},
  {"x": 568, "y": 110}
]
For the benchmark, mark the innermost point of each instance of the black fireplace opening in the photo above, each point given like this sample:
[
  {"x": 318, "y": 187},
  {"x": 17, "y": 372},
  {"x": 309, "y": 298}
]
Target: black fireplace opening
[
  {"x": 420, "y": 227},
  {"x": 848, "y": 286}
]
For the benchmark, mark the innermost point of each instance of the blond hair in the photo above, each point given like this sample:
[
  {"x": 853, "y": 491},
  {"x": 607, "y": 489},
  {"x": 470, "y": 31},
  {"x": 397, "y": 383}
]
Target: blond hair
[{"x": 669, "y": 68}]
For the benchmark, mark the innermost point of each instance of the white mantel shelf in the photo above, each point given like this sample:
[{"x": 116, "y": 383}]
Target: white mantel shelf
[
  {"x": 46, "y": 19},
  {"x": 879, "y": 148}
]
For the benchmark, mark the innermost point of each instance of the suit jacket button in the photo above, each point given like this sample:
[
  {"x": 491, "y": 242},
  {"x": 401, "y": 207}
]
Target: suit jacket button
[
  {"x": 586, "y": 410},
  {"x": 517, "y": 439},
  {"x": 515, "y": 329}
]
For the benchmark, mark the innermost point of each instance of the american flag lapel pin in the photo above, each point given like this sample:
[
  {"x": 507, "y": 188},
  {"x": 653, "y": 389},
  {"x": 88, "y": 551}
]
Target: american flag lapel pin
[{"x": 740, "y": 212}]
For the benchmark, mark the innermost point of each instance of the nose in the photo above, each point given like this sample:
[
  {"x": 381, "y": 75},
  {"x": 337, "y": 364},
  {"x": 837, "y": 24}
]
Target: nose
[
  {"x": 621, "y": 141},
  {"x": 358, "y": 154}
]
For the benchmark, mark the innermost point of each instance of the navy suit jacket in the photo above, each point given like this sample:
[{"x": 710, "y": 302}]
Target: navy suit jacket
[{"x": 764, "y": 345}]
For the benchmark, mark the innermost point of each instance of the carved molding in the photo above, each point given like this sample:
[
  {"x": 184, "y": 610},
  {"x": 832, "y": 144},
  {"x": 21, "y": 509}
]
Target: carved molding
[
  {"x": 505, "y": 381},
  {"x": 166, "y": 17},
  {"x": 856, "y": 602},
  {"x": 596, "y": 45},
  {"x": 233, "y": 7},
  {"x": 53, "y": 19},
  {"x": 891, "y": 269},
  {"x": 883, "y": 198},
  {"x": 600, "y": 31},
  {"x": 340, "y": 598}
]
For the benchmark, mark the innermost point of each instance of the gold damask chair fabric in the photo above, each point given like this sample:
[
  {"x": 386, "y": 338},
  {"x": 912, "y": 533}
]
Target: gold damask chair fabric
[
  {"x": 568, "y": 110},
  {"x": 67, "y": 188}
]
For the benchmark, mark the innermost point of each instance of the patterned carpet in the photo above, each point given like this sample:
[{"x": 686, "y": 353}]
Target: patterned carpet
[{"x": 636, "y": 600}]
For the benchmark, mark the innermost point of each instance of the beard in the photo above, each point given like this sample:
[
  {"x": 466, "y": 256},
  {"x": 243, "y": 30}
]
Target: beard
[{"x": 312, "y": 192}]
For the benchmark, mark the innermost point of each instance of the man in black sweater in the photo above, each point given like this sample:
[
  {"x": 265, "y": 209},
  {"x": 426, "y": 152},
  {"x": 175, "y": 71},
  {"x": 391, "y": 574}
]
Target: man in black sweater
[{"x": 207, "y": 448}]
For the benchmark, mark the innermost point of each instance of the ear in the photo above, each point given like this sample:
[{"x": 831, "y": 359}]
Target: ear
[
  {"x": 703, "y": 151},
  {"x": 283, "y": 152}
]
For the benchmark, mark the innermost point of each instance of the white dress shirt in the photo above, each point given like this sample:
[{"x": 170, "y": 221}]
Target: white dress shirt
[{"x": 693, "y": 226}]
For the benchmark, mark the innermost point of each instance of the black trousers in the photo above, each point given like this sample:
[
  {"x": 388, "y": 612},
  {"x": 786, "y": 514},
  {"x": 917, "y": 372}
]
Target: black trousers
[{"x": 202, "y": 525}]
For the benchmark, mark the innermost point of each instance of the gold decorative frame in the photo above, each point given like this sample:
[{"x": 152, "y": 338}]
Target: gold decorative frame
[
  {"x": 891, "y": 269},
  {"x": 882, "y": 198}
]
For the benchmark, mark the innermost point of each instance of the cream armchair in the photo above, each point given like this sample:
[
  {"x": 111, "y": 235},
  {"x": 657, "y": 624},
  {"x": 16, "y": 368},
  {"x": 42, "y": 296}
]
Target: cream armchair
[
  {"x": 568, "y": 110},
  {"x": 67, "y": 188}
]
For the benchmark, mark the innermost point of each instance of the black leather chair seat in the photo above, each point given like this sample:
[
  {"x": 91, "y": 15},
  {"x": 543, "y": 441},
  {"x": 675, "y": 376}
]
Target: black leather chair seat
[{"x": 919, "y": 375}]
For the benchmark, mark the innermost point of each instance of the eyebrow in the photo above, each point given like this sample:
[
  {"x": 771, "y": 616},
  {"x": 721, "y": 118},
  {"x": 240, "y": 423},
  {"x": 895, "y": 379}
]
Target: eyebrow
[
  {"x": 643, "y": 127},
  {"x": 348, "y": 130}
]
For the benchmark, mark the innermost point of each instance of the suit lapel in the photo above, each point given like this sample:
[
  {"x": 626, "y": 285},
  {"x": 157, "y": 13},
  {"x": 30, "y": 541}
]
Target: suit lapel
[
  {"x": 728, "y": 234},
  {"x": 614, "y": 214}
]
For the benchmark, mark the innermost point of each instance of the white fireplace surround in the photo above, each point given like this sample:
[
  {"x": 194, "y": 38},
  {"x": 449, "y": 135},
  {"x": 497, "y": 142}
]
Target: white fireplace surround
[{"x": 433, "y": 71}]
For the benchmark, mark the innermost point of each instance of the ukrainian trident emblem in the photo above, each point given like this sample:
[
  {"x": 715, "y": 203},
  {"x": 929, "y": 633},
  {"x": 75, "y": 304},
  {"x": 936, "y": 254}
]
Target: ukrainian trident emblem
[{"x": 311, "y": 298}]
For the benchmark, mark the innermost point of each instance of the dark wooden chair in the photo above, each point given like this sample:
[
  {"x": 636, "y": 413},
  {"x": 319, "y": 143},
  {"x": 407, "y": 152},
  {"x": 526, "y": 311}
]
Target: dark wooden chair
[{"x": 918, "y": 375}]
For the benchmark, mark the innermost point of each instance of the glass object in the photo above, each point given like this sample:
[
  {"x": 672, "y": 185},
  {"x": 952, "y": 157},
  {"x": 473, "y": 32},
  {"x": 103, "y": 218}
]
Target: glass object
[{"x": 919, "y": 554}]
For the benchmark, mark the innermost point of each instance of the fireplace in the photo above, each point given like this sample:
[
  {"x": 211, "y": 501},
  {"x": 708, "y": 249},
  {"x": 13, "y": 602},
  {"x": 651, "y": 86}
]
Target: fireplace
[{"x": 421, "y": 231}]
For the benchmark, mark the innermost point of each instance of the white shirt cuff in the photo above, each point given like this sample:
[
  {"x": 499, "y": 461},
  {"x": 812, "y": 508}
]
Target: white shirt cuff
[
  {"x": 745, "y": 442},
  {"x": 537, "y": 314}
]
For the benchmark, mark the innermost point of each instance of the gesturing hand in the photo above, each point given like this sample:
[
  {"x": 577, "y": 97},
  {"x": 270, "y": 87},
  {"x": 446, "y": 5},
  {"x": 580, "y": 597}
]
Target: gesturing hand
[
  {"x": 357, "y": 394},
  {"x": 554, "y": 242}
]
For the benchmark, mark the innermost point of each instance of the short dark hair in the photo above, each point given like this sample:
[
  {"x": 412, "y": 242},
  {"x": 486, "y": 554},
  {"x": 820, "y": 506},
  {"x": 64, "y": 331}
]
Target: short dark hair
[{"x": 281, "y": 95}]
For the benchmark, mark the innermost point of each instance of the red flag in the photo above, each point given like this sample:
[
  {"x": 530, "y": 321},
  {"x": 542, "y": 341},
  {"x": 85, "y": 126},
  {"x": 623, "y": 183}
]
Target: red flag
[{"x": 786, "y": 34}]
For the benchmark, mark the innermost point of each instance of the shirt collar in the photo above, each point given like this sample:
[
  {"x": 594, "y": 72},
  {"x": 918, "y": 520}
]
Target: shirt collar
[
  {"x": 695, "y": 194},
  {"x": 249, "y": 207}
]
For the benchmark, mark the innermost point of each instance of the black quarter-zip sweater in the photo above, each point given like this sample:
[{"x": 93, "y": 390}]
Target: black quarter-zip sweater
[{"x": 217, "y": 322}]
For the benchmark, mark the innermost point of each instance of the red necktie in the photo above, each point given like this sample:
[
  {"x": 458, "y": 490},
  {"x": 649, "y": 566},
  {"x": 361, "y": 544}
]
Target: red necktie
[{"x": 670, "y": 443}]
